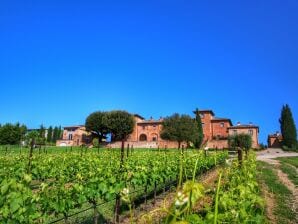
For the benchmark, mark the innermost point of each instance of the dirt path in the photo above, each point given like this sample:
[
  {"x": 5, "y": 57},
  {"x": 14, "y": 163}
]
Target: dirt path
[
  {"x": 152, "y": 213},
  {"x": 283, "y": 178}
]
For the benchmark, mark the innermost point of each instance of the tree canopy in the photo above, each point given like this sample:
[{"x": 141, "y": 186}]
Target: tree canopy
[
  {"x": 241, "y": 140},
  {"x": 11, "y": 134},
  {"x": 179, "y": 128},
  {"x": 120, "y": 124},
  {"x": 96, "y": 123},
  {"x": 288, "y": 127}
]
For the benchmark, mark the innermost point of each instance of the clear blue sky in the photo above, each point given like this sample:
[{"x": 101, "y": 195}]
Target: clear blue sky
[{"x": 61, "y": 60}]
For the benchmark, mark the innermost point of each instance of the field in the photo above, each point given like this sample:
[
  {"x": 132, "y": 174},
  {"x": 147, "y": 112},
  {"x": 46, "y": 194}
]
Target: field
[{"x": 62, "y": 181}]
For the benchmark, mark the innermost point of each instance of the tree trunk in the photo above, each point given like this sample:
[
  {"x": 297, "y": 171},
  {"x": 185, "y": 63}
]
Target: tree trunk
[
  {"x": 127, "y": 150},
  {"x": 179, "y": 145},
  {"x": 239, "y": 150}
]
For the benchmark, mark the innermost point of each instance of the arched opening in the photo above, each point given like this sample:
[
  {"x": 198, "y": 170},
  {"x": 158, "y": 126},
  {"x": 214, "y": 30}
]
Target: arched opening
[
  {"x": 143, "y": 137},
  {"x": 154, "y": 137}
]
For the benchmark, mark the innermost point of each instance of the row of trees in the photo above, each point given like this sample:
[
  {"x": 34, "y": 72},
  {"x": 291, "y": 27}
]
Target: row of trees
[{"x": 15, "y": 134}]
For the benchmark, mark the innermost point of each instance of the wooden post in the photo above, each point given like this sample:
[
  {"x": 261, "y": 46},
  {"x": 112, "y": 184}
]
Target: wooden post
[
  {"x": 155, "y": 186},
  {"x": 30, "y": 155},
  {"x": 95, "y": 220},
  {"x": 127, "y": 150},
  {"x": 117, "y": 208},
  {"x": 239, "y": 150}
]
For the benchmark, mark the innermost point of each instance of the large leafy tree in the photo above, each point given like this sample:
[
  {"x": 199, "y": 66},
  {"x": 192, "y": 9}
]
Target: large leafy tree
[
  {"x": 287, "y": 127},
  {"x": 179, "y": 128},
  {"x": 120, "y": 124},
  {"x": 12, "y": 134},
  {"x": 96, "y": 123},
  {"x": 200, "y": 135}
]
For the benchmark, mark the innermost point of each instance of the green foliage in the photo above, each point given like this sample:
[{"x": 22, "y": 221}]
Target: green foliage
[
  {"x": 12, "y": 134},
  {"x": 236, "y": 199},
  {"x": 96, "y": 123},
  {"x": 56, "y": 134},
  {"x": 244, "y": 141},
  {"x": 200, "y": 135},
  {"x": 32, "y": 136},
  {"x": 50, "y": 134},
  {"x": 179, "y": 128},
  {"x": 120, "y": 124},
  {"x": 65, "y": 182},
  {"x": 288, "y": 128}
]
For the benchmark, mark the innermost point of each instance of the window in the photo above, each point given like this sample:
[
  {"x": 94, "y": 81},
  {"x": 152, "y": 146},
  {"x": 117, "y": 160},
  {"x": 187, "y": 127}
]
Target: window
[
  {"x": 154, "y": 126},
  {"x": 154, "y": 139},
  {"x": 222, "y": 124},
  {"x": 250, "y": 132},
  {"x": 143, "y": 138},
  {"x": 235, "y": 132},
  {"x": 143, "y": 127},
  {"x": 70, "y": 137},
  {"x": 203, "y": 124}
]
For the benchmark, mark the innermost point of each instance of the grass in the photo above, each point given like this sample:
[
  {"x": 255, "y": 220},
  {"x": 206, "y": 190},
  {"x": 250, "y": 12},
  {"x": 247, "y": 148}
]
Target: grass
[
  {"x": 282, "y": 210},
  {"x": 290, "y": 160},
  {"x": 288, "y": 165}
]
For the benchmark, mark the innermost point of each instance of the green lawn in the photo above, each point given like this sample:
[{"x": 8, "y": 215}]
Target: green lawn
[
  {"x": 282, "y": 210},
  {"x": 288, "y": 166}
]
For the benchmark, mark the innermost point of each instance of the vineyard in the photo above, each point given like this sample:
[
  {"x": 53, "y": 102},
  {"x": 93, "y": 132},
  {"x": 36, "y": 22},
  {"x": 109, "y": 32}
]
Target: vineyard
[{"x": 53, "y": 186}]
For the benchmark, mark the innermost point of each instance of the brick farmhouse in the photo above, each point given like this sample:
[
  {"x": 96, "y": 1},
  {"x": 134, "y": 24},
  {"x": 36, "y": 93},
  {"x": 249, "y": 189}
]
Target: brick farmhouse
[{"x": 146, "y": 133}]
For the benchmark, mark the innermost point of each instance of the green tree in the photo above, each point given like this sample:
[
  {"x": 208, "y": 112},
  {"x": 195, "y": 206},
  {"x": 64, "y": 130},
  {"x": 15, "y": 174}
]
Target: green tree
[
  {"x": 60, "y": 132},
  {"x": 287, "y": 127},
  {"x": 50, "y": 134},
  {"x": 11, "y": 134},
  {"x": 55, "y": 134},
  {"x": 243, "y": 141},
  {"x": 41, "y": 135},
  {"x": 121, "y": 125},
  {"x": 179, "y": 128},
  {"x": 200, "y": 135},
  {"x": 96, "y": 123}
]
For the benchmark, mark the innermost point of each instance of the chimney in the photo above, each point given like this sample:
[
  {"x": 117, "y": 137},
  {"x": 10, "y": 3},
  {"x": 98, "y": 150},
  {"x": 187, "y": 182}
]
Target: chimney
[
  {"x": 151, "y": 118},
  {"x": 238, "y": 123}
]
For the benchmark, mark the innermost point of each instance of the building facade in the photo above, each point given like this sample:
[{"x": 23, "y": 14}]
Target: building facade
[
  {"x": 250, "y": 129},
  {"x": 74, "y": 136},
  {"x": 274, "y": 140},
  {"x": 146, "y": 133},
  {"x": 215, "y": 129}
]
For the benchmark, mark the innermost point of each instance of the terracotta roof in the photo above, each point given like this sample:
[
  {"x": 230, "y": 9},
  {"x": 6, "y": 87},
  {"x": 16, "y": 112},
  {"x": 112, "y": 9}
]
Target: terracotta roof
[
  {"x": 150, "y": 122},
  {"x": 139, "y": 116},
  {"x": 244, "y": 126},
  {"x": 205, "y": 111},
  {"x": 74, "y": 126},
  {"x": 215, "y": 119}
]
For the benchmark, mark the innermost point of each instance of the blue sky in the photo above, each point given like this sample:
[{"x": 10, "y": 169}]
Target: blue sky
[{"x": 61, "y": 60}]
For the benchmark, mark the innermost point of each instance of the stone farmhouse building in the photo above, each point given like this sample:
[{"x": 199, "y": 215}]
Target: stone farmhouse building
[
  {"x": 275, "y": 140},
  {"x": 146, "y": 133},
  {"x": 74, "y": 136}
]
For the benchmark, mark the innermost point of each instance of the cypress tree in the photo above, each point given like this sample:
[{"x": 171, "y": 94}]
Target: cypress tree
[
  {"x": 55, "y": 134},
  {"x": 200, "y": 134},
  {"x": 287, "y": 127},
  {"x": 50, "y": 134}
]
